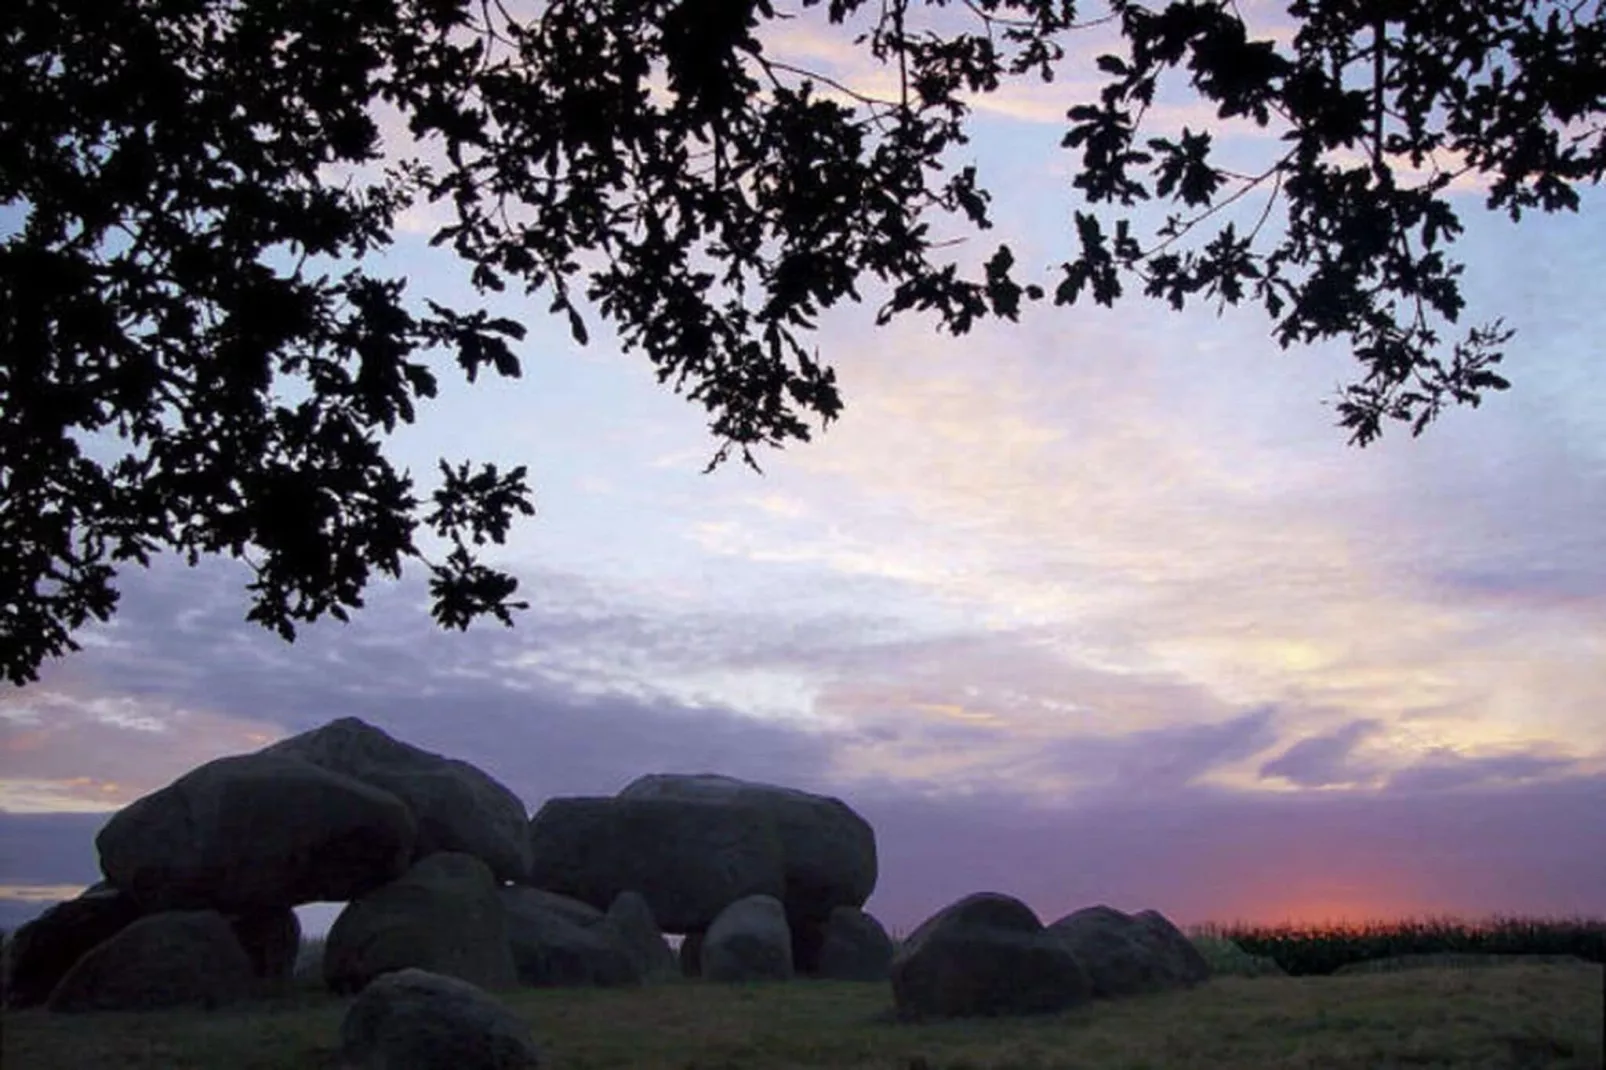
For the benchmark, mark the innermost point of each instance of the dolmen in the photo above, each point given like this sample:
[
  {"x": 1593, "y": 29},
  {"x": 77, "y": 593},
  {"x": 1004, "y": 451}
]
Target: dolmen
[
  {"x": 443, "y": 871},
  {"x": 453, "y": 892}
]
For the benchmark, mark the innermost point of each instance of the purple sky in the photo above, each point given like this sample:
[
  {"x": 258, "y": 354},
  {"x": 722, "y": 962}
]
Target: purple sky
[{"x": 1096, "y": 608}]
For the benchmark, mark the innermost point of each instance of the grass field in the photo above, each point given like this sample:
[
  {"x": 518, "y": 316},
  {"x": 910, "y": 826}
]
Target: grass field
[{"x": 1520, "y": 1015}]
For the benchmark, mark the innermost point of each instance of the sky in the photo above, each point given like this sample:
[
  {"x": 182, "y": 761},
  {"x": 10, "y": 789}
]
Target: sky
[{"x": 1099, "y": 607}]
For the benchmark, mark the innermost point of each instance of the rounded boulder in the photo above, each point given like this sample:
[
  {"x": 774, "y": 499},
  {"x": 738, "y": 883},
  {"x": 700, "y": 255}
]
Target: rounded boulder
[
  {"x": 1173, "y": 947},
  {"x": 856, "y": 948},
  {"x": 256, "y": 832},
  {"x": 42, "y": 951},
  {"x": 272, "y": 940},
  {"x": 418, "y": 1020},
  {"x": 1119, "y": 956},
  {"x": 630, "y": 918},
  {"x": 749, "y": 941},
  {"x": 444, "y": 915},
  {"x": 984, "y": 955},
  {"x": 457, "y": 806},
  {"x": 553, "y": 947},
  {"x": 171, "y": 959}
]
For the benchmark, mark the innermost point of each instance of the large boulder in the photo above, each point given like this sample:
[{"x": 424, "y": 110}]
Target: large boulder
[
  {"x": 986, "y": 954},
  {"x": 1116, "y": 950},
  {"x": 578, "y": 911},
  {"x": 1173, "y": 946},
  {"x": 688, "y": 858},
  {"x": 171, "y": 959},
  {"x": 444, "y": 915},
  {"x": 808, "y": 941},
  {"x": 415, "y": 1020},
  {"x": 457, "y": 806},
  {"x": 256, "y": 832},
  {"x": 551, "y": 948},
  {"x": 749, "y": 941},
  {"x": 42, "y": 951},
  {"x": 272, "y": 941},
  {"x": 691, "y": 955},
  {"x": 630, "y": 919},
  {"x": 828, "y": 851},
  {"x": 856, "y": 948}
]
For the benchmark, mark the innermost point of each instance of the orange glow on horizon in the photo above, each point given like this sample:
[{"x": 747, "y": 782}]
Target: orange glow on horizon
[
  {"x": 1337, "y": 914},
  {"x": 1356, "y": 912},
  {"x": 1334, "y": 907}
]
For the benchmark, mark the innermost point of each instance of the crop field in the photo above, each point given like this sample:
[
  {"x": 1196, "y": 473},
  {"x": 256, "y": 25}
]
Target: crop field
[
  {"x": 1317, "y": 950},
  {"x": 1267, "y": 1007}
]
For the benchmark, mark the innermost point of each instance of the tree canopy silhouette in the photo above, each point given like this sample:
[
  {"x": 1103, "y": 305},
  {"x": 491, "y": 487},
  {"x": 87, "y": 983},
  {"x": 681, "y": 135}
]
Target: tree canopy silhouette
[{"x": 191, "y": 187}]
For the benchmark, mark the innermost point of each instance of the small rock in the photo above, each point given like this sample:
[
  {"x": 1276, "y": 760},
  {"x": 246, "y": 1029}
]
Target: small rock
[
  {"x": 551, "y": 949},
  {"x": 1170, "y": 942},
  {"x": 630, "y": 919},
  {"x": 749, "y": 941},
  {"x": 856, "y": 948},
  {"x": 412, "y": 1019}
]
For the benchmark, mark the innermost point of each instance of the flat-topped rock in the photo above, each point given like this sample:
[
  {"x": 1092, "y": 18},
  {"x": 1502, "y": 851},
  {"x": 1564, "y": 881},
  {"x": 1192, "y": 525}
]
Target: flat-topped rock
[
  {"x": 692, "y": 845},
  {"x": 828, "y": 851},
  {"x": 688, "y": 858}
]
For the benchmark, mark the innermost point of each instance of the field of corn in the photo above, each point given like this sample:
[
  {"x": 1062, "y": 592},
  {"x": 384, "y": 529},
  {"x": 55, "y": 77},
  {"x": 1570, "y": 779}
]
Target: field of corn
[{"x": 1303, "y": 951}]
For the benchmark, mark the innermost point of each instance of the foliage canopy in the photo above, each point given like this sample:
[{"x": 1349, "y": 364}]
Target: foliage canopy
[{"x": 191, "y": 187}]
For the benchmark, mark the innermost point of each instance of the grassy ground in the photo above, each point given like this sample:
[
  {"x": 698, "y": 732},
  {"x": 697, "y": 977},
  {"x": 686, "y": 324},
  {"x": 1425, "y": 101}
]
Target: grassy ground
[{"x": 1487, "y": 1019}]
